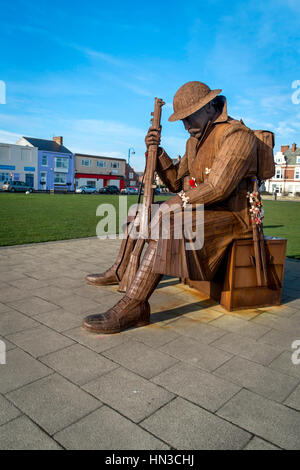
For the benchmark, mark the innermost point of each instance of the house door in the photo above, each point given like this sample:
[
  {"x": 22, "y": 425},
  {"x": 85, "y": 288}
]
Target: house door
[{"x": 29, "y": 179}]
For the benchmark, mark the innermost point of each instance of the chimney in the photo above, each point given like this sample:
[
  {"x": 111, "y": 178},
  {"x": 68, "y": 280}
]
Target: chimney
[
  {"x": 284, "y": 148},
  {"x": 294, "y": 146},
  {"x": 58, "y": 140}
]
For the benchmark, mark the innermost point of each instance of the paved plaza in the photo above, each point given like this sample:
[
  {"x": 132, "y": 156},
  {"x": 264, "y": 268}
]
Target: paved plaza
[{"x": 198, "y": 377}]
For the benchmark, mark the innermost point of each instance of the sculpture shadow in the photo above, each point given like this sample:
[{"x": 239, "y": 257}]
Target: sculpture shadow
[{"x": 173, "y": 313}]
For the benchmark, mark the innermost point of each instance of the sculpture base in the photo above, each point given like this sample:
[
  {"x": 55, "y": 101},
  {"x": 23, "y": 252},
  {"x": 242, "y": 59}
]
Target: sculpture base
[{"x": 235, "y": 284}]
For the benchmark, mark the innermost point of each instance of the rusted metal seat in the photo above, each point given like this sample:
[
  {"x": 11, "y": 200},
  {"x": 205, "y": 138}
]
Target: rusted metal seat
[{"x": 235, "y": 285}]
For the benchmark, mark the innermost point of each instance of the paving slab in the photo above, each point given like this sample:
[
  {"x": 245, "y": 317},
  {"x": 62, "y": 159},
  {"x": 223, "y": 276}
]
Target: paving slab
[
  {"x": 12, "y": 275},
  {"x": 59, "y": 320},
  {"x": 12, "y": 321},
  {"x": 278, "y": 323},
  {"x": 284, "y": 363},
  {"x": 10, "y": 293},
  {"x": 140, "y": 358},
  {"x": 78, "y": 364},
  {"x": 53, "y": 402},
  {"x": 8, "y": 344},
  {"x": 94, "y": 341},
  {"x": 78, "y": 305},
  {"x": 206, "y": 333},
  {"x": 259, "y": 444},
  {"x": 267, "y": 419},
  {"x": 293, "y": 400},
  {"x": 196, "y": 353},
  {"x": 281, "y": 339},
  {"x": 247, "y": 348},
  {"x": 153, "y": 335},
  {"x": 186, "y": 426},
  {"x": 7, "y": 411},
  {"x": 128, "y": 393},
  {"x": 40, "y": 341},
  {"x": 32, "y": 306},
  {"x": 50, "y": 293},
  {"x": 242, "y": 327},
  {"x": 258, "y": 378},
  {"x": 105, "y": 429},
  {"x": 23, "y": 434},
  {"x": 20, "y": 369},
  {"x": 200, "y": 387},
  {"x": 204, "y": 315},
  {"x": 176, "y": 359},
  {"x": 29, "y": 283}
]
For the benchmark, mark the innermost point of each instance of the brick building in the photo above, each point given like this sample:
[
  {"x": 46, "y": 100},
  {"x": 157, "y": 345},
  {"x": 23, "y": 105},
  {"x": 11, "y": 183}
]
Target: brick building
[
  {"x": 132, "y": 176},
  {"x": 98, "y": 171},
  {"x": 287, "y": 172}
]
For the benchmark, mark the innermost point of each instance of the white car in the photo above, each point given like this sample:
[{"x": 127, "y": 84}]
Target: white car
[{"x": 86, "y": 189}]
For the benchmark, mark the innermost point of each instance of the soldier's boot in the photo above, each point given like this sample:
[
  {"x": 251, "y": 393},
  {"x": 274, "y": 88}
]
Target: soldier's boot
[
  {"x": 133, "y": 309},
  {"x": 109, "y": 277}
]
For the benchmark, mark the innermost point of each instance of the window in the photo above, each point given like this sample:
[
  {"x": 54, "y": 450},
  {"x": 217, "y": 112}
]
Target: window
[
  {"x": 4, "y": 177},
  {"x": 61, "y": 164},
  {"x": 25, "y": 155},
  {"x": 101, "y": 164},
  {"x": 114, "y": 172},
  {"x": 279, "y": 173},
  {"x": 44, "y": 160},
  {"x": 43, "y": 177},
  {"x": 297, "y": 173},
  {"x": 131, "y": 175},
  {"x": 4, "y": 153},
  {"x": 114, "y": 164},
  {"x": 86, "y": 162},
  {"x": 91, "y": 183},
  {"x": 60, "y": 178}
]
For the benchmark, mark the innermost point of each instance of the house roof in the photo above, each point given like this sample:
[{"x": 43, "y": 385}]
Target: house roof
[
  {"x": 292, "y": 156},
  {"x": 47, "y": 145},
  {"x": 99, "y": 156}
]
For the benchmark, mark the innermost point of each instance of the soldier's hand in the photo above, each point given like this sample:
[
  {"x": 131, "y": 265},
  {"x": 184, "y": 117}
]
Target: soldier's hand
[{"x": 152, "y": 137}]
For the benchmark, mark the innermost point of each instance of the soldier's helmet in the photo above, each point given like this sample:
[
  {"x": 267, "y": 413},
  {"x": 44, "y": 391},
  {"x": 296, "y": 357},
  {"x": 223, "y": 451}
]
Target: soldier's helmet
[{"x": 191, "y": 97}]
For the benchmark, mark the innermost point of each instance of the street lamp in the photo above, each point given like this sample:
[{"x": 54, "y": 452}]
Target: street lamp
[{"x": 130, "y": 152}]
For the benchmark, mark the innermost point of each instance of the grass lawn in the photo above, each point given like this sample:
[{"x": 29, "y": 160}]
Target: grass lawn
[
  {"x": 282, "y": 219},
  {"x": 44, "y": 217}
]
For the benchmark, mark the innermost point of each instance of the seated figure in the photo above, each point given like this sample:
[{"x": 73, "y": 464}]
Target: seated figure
[{"x": 221, "y": 159}]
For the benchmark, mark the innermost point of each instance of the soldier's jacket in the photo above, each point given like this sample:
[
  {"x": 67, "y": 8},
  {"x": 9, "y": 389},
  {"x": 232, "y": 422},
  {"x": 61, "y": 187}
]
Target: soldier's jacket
[{"x": 223, "y": 164}]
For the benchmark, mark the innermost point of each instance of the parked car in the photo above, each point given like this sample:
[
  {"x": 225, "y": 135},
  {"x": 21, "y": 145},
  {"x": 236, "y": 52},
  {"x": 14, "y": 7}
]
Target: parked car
[
  {"x": 130, "y": 190},
  {"x": 156, "y": 191},
  {"x": 86, "y": 189},
  {"x": 110, "y": 189},
  {"x": 16, "y": 186}
]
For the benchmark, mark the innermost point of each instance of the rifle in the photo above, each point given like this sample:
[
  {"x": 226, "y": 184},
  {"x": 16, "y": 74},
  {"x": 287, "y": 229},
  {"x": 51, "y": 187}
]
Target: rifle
[
  {"x": 259, "y": 247},
  {"x": 148, "y": 199}
]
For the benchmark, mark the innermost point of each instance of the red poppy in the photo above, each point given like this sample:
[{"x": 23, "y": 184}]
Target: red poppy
[{"x": 192, "y": 183}]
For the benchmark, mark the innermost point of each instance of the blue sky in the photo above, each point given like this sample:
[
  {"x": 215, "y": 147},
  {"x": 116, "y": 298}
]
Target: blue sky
[{"x": 89, "y": 70}]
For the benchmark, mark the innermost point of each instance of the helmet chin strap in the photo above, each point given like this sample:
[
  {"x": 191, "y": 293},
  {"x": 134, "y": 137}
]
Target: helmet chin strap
[{"x": 198, "y": 132}]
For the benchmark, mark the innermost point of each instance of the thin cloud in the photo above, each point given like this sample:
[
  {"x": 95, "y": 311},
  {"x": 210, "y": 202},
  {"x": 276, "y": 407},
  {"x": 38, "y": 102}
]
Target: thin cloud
[{"x": 8, "y": 137}]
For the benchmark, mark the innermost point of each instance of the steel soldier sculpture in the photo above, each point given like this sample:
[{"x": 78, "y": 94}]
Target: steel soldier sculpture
[{"x": 217, "y": 170}]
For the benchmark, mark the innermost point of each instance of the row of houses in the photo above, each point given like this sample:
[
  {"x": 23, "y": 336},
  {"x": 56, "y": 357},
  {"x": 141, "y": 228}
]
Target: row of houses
[
  {"x": 48, "y": 164},
  {"x": 287, "y": 172}
]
